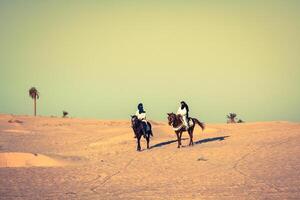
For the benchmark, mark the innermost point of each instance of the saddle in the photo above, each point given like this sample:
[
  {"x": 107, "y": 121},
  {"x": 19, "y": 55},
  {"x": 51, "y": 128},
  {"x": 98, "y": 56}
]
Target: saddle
[
  {"x": 190, "y": 123},
  {"x": 148, "y": 127}
]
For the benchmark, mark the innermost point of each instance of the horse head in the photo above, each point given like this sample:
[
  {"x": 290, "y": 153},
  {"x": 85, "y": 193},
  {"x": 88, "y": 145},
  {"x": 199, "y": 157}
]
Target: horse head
[
  {"x": 171, "y": 118},
  {"x": 134, "y": 120}
]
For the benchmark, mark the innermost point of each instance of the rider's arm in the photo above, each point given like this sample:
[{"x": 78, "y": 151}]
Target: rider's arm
[
  {"x": 184, "y": 112},
  {"x": 181, "y": 111}
]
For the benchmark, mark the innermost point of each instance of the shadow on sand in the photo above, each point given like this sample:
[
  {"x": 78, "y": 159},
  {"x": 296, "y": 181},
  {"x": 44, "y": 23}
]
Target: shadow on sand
[
  {"x": 165, "y": 143},
  {"x": 197, "y": 142},
  {"x": 211, "y": 139}
]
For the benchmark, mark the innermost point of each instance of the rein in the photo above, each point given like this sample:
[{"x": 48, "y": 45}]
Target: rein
[{"x": 178, "y": 127}]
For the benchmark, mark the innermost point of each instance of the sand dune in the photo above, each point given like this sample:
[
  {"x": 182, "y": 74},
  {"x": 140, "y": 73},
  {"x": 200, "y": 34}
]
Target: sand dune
[
  {"x": 17, "y": 159},
  {"x": 228, "y": 161},
  {"x": 16, "y": 131}
]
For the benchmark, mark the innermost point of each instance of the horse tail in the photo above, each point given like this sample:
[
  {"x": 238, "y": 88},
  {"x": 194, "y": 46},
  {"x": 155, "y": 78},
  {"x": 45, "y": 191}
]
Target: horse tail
[
  {"x": 201, "y": 124},
  {"x": 150, "y": 127}
]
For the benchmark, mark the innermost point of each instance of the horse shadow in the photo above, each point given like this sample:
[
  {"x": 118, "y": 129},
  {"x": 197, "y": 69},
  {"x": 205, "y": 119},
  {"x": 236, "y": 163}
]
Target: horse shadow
[
  {"x": 165, "y": 143},
  {"x": 220, "y": 138}
]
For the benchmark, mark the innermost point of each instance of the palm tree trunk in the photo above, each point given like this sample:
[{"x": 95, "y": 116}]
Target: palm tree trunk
[{"x": 34, "y": 106}]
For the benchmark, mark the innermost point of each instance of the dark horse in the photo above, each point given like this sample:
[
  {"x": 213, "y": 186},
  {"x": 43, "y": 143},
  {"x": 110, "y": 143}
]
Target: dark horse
[
  {"x": 138, "y": 129},
  {"x": 177, "y": 123}
]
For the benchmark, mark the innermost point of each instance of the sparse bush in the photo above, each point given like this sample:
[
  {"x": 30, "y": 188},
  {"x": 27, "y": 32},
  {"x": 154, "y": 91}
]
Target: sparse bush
[
  {"x": 240, "y": 121},
  {"x": 65, "y": 113},
  {"x": 231, "y": 118}
]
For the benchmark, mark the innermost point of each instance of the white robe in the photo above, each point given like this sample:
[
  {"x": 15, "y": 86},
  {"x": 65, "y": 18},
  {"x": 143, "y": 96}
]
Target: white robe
[
  {"x": 142, "y": 117},
  {"x": 183, "y": 113}
]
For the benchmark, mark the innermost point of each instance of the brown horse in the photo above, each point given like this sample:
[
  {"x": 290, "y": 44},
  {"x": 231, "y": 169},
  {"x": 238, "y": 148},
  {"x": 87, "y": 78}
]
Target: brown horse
[
  {"x": 139, "y": 130},
  {"x": 176, "y": 122}
]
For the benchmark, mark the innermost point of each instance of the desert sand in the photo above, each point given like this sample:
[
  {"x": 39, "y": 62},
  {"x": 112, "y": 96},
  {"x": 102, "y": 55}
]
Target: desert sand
[{"x": 56, "y": 158}]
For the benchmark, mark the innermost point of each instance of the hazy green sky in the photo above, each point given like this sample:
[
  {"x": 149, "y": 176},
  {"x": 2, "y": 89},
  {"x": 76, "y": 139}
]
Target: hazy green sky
[{"x": 98, "y": 59}]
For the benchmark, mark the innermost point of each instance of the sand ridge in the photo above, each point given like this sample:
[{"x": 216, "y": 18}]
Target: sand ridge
[{"x": 20, "y": 159}]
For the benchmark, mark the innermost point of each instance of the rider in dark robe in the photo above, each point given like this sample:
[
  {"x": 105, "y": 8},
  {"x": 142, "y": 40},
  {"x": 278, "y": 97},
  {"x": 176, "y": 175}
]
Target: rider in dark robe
[{"x": 141, "y": 115}]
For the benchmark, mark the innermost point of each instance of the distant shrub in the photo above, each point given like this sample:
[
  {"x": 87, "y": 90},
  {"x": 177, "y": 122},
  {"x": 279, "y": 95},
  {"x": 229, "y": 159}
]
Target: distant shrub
[
  {"x": 240, "y": 121},
  {"x": 65, "y": 113},
  {"x": 231, "y": 118}
]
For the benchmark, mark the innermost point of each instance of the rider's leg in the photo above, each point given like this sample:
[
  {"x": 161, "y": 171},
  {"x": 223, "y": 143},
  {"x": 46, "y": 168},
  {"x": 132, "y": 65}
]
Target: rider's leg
[
  {"x": 185, "y": 121},
  {"x": 144, "y": 128}
]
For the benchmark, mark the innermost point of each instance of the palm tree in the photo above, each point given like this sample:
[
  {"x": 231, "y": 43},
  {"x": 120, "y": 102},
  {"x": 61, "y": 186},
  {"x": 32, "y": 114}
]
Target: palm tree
[
  {"x": 65, "y": 113},
  {"x": 34, "y": 94},
  {"x": 231, "y": 118}
]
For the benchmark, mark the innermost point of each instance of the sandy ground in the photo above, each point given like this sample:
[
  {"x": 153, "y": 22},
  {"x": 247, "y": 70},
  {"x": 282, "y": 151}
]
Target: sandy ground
[{"x": 55, "y": 158}]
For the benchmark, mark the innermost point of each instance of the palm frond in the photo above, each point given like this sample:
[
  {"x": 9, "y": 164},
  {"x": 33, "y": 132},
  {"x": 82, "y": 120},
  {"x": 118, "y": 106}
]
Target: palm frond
[{"x": 33, "y": 92}]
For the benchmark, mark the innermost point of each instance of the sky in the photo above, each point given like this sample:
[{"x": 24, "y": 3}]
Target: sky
[{"x": 99, "y": 59}]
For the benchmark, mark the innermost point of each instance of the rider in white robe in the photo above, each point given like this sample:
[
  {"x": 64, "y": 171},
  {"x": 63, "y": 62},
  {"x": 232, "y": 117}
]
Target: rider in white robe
[
  {"x": 183, "y": 111},
  {"x": 141, "y": 116}
]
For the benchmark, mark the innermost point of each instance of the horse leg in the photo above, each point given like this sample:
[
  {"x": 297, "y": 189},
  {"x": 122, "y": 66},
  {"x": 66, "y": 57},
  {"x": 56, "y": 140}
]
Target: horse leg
[
  {"x": 178, "y": 140},
  {"x": 180, "y": 134},
  {"x": 191, "y": 132},
  {"x": 148, "y": 140},
  {"x": 139, "y": 143},
  {"x": 191, "y": 137}
]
